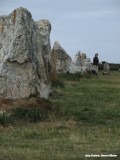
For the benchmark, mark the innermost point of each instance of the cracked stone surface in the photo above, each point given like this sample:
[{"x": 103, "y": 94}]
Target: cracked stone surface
[{"x": 24, "y": 56}]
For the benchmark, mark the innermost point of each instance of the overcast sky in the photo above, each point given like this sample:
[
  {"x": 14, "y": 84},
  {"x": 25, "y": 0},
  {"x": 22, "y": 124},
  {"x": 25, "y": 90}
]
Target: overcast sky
[{"x": 89, "y": 26}]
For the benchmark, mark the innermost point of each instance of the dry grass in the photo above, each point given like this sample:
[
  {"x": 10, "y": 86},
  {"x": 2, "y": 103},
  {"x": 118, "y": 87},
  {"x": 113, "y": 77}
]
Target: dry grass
[{"x": 7, "y": 104}]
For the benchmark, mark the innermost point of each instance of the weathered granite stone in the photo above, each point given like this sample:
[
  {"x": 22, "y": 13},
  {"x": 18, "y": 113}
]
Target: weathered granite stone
[
  {"x": 106, "y": 68},
  {"x": 77, "y": 59},
  {"x": 60, "y": 58},
  {"x": 45, "y": 28},
  {"x": 74, "y": 68},
  {"x": 87, "y": 64},
  {"x": 80, "y": 63},
  {"x": 23, "y": 46}
]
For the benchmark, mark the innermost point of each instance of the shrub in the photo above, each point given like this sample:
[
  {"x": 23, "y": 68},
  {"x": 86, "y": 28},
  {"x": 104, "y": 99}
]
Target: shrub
[
  {"x": 32, "y": 114},
  {"x": 71, "y": 76},
  {"x": 4, "y": 119},
  {"x": 56, "y": 81}
]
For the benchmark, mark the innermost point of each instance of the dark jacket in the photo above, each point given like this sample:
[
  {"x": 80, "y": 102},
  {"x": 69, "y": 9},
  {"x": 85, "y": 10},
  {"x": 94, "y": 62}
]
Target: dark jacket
[{"x": 95, "y": 61}]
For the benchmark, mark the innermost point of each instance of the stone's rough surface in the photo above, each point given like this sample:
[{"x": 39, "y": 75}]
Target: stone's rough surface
[
  {"x": 79, "y": 58},
  {"x": 23, "y": 49},
  {"x": 44, "y": 29},
  {"x": 106, "y": 68},
  {"x": 61, "y": 60},
  {"x": 80, "y": 63}
]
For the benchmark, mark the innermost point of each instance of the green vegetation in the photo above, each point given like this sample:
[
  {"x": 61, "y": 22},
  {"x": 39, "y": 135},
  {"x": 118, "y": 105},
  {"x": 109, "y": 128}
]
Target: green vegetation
[{"x": 85, "y": 120}]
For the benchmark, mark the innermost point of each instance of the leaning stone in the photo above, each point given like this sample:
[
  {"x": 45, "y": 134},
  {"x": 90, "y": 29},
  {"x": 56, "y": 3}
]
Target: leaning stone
[{"x": 60, "y": 58}]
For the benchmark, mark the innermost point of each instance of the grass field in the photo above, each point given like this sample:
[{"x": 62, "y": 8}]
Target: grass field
[{"x": 87, "y": 121}]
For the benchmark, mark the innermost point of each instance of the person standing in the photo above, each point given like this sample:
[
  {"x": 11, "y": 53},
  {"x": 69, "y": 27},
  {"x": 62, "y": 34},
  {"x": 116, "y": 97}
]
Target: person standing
[{"x": 96, "y": 63}]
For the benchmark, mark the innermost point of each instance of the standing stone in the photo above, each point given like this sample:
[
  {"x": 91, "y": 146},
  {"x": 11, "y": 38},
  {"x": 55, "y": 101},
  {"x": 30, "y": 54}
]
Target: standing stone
[
  {"x": 45, "y": 28},
  {"x": 23, "y": 71},
  {"x": 86, "y": 65},
  {"x": 106, "y": 68},
  {"x": 61, "y": 60},
  {"x": 77, "y": 59},
  {"x": 80, "y": 63}
]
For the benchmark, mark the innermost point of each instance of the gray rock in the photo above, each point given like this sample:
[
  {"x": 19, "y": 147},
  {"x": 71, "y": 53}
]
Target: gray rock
[
  {"x": 79, "y": 58},
  {"x": 61, "y": 60},
  {"x": 44, "y": 29},
  {"x": 23, "y": 51},
  {"x": 80, "y": 63},
  {"x": 106, "y": 68}
]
